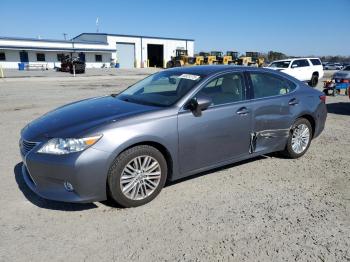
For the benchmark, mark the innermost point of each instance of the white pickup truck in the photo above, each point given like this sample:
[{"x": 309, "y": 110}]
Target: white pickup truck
[{"x": 304, "y": 69}]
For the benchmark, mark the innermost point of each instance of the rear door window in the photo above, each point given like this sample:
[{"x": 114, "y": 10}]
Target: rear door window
[
  {"x": 267, "y": 85},
  {"x": 315, "y": 61},
  {"x": 300, "y": 63}
]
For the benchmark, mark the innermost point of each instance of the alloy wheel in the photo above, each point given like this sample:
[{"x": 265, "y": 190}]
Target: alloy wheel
[
  {"x": 140, "y": 177},
  {"x": 300, "y": 138}
]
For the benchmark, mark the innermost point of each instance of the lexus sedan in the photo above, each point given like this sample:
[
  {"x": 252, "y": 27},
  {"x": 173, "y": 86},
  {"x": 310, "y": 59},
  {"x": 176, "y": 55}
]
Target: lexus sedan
[{"x": 168, "y": 126}]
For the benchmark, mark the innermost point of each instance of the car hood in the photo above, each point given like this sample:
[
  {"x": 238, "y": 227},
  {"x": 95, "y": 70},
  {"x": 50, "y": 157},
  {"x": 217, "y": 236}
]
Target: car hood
[
  {"x": 276, "y": 68},
  {"x": 74, "y": 119}
]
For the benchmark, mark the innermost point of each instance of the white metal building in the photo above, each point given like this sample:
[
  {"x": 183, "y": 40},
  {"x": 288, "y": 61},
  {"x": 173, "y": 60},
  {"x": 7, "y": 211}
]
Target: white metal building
[
  {"x": 140, "y": 51},
  {"x": 49, "y": 52},
  {"x": 97, "y": 49}
]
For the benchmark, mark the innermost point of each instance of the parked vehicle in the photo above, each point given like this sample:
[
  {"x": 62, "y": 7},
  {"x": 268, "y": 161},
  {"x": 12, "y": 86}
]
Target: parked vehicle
[
  {"x": 231, "y": 57},
  {"x": 256, "y": 59},
  {"x": 181, "y": 58},
  {"x": 335, "y": 66},
  {"x": 170, "y": 125},
  {"x": 308, "y": 70},
  {"x": 69, "y": 64},
  {"x": 340, "y": 80},
  {"x": 342, "y": 74}
]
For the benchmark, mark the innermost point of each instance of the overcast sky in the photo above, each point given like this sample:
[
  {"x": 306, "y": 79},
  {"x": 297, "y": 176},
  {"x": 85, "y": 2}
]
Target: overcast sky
[{"x": 295, "y": 27}]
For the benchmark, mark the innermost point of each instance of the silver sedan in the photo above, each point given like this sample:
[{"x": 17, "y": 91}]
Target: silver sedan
[{"x": 171, "y": 125}]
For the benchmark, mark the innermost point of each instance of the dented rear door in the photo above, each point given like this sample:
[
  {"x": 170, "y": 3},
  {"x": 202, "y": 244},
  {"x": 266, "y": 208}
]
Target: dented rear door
[{"x": 271, "y": 111}]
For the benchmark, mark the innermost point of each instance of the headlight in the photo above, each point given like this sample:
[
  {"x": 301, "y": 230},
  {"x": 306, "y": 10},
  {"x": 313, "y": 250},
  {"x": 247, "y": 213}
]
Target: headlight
[{"x": 61, "y": 146}]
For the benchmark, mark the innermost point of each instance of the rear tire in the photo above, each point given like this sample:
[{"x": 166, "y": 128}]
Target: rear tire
[
  {"x": 297, "y": 144},
  {"x": 314, "y": 80},
  {"x": 129, "y": 182}
]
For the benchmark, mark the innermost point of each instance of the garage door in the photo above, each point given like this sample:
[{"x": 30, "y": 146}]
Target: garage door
[{"x": 126, "y": 55}]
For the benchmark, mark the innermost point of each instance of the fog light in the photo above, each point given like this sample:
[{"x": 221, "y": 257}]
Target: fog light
[{"x": 68, "y": 186}]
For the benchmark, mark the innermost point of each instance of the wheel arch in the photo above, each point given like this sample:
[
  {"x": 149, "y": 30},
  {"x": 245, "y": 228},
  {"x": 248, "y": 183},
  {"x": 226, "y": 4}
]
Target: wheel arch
[
  {"x": 169, "y": 157},
  {"x": 312, "y": 121},
  {"x": 165, "y": 152}
]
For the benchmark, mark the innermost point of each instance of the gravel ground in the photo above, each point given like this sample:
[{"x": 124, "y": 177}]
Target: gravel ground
[{"x": 265, "y": 209}]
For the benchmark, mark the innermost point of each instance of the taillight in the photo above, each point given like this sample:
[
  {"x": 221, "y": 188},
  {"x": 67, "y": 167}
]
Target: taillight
[
  {"x": 323, "y": 98},
  {"x": 345, "y": 81}
]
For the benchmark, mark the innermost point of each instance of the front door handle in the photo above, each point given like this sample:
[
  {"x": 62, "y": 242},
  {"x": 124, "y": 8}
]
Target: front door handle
[
  {"x": 242, "y": 111},
  {"x": 293, "y": 102}
]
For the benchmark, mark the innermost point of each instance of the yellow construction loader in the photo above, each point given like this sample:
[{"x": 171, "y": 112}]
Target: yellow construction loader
[
  {"x": 214, "y": 58},
  {"x": 181, "y": 58},
  {"x": 230, "y": 58},
  {"x": 199, "y": 59},
  {"x": 244, "y": 60},
  {"x": 256, "y": 59}
]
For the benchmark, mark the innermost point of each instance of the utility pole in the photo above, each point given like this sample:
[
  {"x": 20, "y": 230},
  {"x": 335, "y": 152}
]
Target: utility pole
[{"x": 65, "y": 36}]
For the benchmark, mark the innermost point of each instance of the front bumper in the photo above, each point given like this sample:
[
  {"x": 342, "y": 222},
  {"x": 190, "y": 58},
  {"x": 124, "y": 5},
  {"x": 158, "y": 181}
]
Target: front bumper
[{"x": 86, "y": 171}]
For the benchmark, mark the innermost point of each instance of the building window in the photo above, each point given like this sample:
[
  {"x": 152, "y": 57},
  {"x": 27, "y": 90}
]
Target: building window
[
  {"x": 40, "y": 57},
  {"x": 60, "y": 57},
  {"x": 2, "y": 57},
  {"x": 98, "y": 58}
]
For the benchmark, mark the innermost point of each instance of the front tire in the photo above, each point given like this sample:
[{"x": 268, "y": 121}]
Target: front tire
[
  {"x": 137, "y": 176},
  {"x": 299, "y": 139},
  {"x": 178, "y": 63},
  {"x": 170, "y": 64}
]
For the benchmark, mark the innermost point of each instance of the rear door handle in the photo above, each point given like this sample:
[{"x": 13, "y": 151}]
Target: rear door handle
[
  {"x": 242, "y": 111},
  {"x": 293, "y": 102}
]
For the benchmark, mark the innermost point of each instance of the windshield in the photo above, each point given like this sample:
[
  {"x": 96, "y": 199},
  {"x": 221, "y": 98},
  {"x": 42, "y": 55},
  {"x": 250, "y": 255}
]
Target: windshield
[
  {"x": 280, "y": 64},
  {"x": 161, "y": 89}
]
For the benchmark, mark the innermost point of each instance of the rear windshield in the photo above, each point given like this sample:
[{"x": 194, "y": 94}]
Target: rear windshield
[
  {"x": 280, "y": 64},
  {"x": 315, "y": 61}
]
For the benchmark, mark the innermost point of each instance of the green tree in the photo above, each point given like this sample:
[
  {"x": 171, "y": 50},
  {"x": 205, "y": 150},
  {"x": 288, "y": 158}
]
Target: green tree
[{"x": 272, "y": 56}]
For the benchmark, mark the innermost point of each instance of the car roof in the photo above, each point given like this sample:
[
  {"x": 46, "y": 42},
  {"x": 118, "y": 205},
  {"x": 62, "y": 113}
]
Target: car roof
[
  {"x": 207, "y": 70},
  {"x": 296, "y": 58}
]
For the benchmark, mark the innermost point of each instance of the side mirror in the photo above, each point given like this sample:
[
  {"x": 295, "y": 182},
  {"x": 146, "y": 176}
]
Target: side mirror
[
  {"x": 294, "y": 66},
  {"x": 199, "y": 104}
]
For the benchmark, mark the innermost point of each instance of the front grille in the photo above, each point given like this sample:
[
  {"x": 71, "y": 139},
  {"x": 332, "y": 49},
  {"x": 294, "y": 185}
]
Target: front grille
[{"x": 27, "y": 146}]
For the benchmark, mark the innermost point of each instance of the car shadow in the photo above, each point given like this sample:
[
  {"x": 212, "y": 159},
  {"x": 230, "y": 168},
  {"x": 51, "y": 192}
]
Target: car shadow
[
  {"x": 341, "y": 108},
  {"x": 62, "y": 206},
  {"x": 44, "y": 203},
  {"x": 111, "y": 203}
]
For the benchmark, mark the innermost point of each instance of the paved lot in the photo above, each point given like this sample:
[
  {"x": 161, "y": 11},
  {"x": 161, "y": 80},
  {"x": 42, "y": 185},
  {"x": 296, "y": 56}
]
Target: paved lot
[{"x": 265, "y": 209}]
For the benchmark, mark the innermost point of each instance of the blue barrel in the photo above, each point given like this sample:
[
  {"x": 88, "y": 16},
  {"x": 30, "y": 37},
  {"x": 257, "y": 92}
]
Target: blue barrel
[
  {"x": 116, "y": 65},
  {"x": 21, "y": 66}
]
